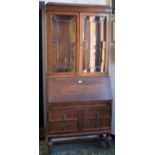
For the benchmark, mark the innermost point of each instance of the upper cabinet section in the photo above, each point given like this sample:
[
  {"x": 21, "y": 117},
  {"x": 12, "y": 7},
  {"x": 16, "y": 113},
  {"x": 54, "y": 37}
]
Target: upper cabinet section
[{"x": 77, "y": 40}]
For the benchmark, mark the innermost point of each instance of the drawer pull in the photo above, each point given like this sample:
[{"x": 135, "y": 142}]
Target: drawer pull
[{"x": 80, "y": 81}]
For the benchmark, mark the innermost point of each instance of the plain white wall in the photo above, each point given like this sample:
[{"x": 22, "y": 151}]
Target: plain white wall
[{"x": 112, "y": 52}]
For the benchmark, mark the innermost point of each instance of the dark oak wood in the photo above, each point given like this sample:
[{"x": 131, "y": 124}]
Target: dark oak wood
[
  {"x": 78, "y": 8},
  {"x": 78, "y": 108},
  {"x": 66, "y": 117},
  {"x": 79, "y": 102},
  {"x": 51, "y": 59},
  {"x": 106, "y": 104},
  {"x": 86, "y": 133},
  {"x": 63, "y": 127},
  {"x": 59, "y": 115},
  {"x": 79, "y": 11},
  {"x": 78, "y": 89}
]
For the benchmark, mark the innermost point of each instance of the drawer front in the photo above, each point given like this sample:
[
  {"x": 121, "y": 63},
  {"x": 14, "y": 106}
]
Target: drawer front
[
  {"x": 79, "y": 117},
  {"x": 62, "y": 115},
  {"x": 104, "y": 113},
  {"x": 96, "y": 124},
  {"x": 78, "y": 105},
  {"x": 61, "y": 127}
]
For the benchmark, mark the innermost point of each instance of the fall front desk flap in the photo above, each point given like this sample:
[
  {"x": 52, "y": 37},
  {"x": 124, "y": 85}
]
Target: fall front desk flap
[{"x": 79, "y": 89}]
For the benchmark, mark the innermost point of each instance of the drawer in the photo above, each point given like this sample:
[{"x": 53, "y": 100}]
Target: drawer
[
  {"x": 98, "y": 113},
  {"x": 96, "y": 124},
  {"x": 66, "y": 106},
  {"x": 62, "y": 115},
  {"x": 57, "y": 127}
]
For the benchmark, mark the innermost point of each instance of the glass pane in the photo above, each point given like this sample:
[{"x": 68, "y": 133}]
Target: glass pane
[
  {"x": 63, "y": 43},
  {"x": 94, "y": 39}
]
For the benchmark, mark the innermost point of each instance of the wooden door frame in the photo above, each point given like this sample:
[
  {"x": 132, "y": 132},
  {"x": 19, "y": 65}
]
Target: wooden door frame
[
  {"x": 49, "y": 43},
  {"x": 106, "y": 73}
]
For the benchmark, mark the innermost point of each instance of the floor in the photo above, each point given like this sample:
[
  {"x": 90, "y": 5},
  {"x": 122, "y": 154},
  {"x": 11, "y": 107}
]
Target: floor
[{"x": 89, "y": 148}]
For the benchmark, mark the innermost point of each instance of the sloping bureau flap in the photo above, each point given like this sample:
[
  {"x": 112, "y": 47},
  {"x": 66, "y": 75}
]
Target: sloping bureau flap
[{"x": 78, "y": 89}]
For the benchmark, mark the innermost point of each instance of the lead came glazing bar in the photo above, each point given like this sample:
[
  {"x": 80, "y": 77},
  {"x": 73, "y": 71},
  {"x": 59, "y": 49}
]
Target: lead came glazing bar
[{"x": 63, "y": 41}]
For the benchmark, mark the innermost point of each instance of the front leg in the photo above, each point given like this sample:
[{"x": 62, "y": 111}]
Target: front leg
[
  {"x": 49, "y": 144},
  {"x": 50, "y": 148},
  {"x": 108, "y": 141}
]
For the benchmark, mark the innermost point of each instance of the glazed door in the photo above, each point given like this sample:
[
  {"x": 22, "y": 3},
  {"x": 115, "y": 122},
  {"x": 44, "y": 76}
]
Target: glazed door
[
  {"x": 62, "y": 43},
  {"x": 94, "y": 41}
]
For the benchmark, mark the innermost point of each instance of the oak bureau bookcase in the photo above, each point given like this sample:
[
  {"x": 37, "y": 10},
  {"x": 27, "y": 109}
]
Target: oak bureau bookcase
[{"x": 79, "y": 100}]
